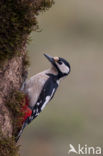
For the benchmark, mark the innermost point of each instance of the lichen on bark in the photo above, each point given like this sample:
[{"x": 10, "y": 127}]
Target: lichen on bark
[{"x": 17, "y": 19}]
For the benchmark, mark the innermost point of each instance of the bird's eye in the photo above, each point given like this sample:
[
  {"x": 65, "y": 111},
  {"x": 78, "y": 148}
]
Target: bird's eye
[{"x": 60, "y": 62}]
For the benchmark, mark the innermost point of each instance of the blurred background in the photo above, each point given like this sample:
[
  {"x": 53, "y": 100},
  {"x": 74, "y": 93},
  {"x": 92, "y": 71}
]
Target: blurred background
[{"x": 73, "y": 30}]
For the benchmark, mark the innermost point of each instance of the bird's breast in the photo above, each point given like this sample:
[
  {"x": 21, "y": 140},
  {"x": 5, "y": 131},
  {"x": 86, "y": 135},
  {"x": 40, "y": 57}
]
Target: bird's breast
[{"x": 34, "y": 87}]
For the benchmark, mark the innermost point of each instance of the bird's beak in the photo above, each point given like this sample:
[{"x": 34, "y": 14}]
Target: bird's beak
[{"x": 51, "y": 59}]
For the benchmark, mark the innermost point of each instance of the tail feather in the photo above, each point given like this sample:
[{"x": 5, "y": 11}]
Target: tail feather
[{"x": 21, "y": 130}]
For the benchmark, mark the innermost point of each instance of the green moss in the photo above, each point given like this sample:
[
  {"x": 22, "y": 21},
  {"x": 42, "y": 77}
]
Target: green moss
[
  {"x": 8, "y": 146},
  {"x": 17, "y": 20},
  {"x": 15, "y": 103},
  {"x": 46, "y": 4}
]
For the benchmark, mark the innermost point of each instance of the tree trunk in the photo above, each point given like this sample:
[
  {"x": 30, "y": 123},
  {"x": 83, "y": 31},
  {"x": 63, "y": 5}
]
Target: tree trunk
[{"x": 17, "y": 20}]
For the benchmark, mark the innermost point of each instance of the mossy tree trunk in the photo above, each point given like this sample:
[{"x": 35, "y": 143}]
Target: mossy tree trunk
[{"x": 17, "y": 20}]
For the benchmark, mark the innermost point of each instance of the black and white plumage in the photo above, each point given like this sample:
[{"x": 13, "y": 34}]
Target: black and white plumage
[{"x": 41, "y": 87}]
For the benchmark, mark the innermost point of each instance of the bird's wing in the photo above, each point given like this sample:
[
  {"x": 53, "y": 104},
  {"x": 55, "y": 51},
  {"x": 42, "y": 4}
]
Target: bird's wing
[
  {"x": 46, "y": 93},
  {"x": 45, "y": 96}
]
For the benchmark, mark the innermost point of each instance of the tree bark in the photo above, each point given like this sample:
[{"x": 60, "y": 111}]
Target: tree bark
[{"x": 17, "y": 20}]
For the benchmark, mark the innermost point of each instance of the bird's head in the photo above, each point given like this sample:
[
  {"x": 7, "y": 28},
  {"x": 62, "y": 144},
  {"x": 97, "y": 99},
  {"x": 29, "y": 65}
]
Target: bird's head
[{"x": 61, "y": 65}]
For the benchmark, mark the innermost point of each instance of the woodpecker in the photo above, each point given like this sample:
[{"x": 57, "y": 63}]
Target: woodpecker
[{"x": 40, "y": 89}]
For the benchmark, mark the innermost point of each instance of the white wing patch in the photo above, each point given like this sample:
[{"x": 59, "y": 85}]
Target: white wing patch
[
  {"x": 63, "y": 68},
  {"x": 58, "y": 81},
  {"x": 38, "y": 103},
  {"x": 47, "y": 99}
]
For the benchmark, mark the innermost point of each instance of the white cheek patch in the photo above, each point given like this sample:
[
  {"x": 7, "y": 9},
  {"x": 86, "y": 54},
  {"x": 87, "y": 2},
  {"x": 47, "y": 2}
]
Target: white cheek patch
[{"x": 63, "y": 68}]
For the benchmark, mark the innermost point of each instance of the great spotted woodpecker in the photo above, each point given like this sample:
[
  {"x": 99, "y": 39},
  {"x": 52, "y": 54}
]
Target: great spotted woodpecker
[{"x": 40, "y": 89}]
